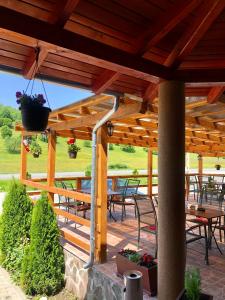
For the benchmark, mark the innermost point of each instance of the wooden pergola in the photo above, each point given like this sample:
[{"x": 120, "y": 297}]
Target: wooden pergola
[{"x": 131, "y": 49}]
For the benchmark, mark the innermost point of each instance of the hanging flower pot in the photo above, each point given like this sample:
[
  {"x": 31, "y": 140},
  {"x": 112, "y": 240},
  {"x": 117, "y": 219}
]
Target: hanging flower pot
[
  {"x": 217, "y": 167},
  {"x": 72, "y": 148},
  {"x": 35, "y": 149},
  {"x": 34, "y": 114}
]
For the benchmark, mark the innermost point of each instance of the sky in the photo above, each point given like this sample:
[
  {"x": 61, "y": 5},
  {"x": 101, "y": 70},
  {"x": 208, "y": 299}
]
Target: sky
[{"x": 58, "y": 95}]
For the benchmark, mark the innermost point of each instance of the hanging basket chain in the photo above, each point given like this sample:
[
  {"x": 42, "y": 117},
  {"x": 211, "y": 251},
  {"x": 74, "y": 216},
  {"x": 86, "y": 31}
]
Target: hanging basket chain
[{"x": 35, "y": 70}]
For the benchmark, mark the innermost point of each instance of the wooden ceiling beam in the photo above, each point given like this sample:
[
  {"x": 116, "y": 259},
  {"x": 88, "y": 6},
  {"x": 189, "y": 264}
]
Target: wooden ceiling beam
[
  {"x": 89, "y": 120},
  {"x": 86, "y": 49},
  {"x": 32, "y": 65},
  {"x": 104, "y": 81},
  {"x": 215, "y": 93},
  {"x": 207, "y": 14},
  {"x": 164, "y": 24},
  {"x": 63, "y": 11}
]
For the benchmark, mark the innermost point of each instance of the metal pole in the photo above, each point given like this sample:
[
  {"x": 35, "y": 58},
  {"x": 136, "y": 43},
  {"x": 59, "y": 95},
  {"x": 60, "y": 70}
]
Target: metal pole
[{"x": 133, "y": 285}]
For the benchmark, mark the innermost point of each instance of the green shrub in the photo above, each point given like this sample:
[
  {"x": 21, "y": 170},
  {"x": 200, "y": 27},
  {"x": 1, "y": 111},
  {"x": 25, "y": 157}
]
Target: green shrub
[
  {"x": 87, "y": 144},
  {"x": 118, "y": 166},
  {"x": 15, "y": 228},
  {"x": 43, "y": 264},
  {"x": 128, "y": 148},
  {"x": 13, "y": 144},
  {"x": 145, "y": 149},
  {"x": 6, "y": 132},
  {"x": 35, "y": 148},
  {"x": 5, "y": 121},
  {"x": 43, "y": 137},
  {"x": 111, "y": 147},
  {"x": 87, "y": 171}
]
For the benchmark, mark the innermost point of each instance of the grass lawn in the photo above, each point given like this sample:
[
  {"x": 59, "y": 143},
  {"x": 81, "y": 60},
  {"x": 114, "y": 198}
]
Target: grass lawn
[{"x": 10, "y": 163}]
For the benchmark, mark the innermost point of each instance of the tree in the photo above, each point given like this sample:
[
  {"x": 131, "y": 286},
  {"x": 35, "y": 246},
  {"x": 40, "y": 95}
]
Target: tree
[
  {"x": 6, "y": 121},
  {"x": 13, "y": 144},
  {"x": 6, "y": 131},
  {"x": 128, "y": 148},
  {"x": 111, "y": 147},
  {"x": 15, "y": 227},
  {"x": 87, "y": 144},
  {"x": 43, "y": 264}
]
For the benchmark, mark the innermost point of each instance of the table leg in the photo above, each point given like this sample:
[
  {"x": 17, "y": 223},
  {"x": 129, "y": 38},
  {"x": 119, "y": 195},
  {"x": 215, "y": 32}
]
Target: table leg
[
  {"x": 206, "y": 246},
  {"x": 209, "y": 233}
]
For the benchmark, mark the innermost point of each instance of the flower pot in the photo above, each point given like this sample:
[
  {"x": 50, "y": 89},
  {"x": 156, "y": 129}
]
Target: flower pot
[
  {"x": 149, "y": 274},
  {"x": 35, "y": 155},
  {"x": 202, "y": 296},
  {"x": 34, "y": 117},
  {"x": 218, "y": 167},
  {"x": 72, "y": 154}
]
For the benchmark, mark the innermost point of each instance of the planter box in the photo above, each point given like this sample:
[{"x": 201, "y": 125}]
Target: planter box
[
  {"x": 202, "y": 297},
  {"x": 149, "y": 275}
]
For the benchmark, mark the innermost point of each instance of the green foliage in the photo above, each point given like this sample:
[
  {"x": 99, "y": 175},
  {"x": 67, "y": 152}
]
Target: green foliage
[
  {"x": 13, "y": 144},
  {"x": 111, "y": 147},
  {"x": 73, "y": 148},
  {"x": 35, "y": 148},
  {"x": 5, "y": 121},
  {"x": 135, "y": 257},
  {"x": 135, "y": 172},
  {"x": 145, "y": 149},
  {"x": 6, "y": 132},
  {"x": 87, "y": 172},
  {"x": 6, "y": 112},
  {"x": 128, "y": 148},
  {"x": 87, "y": 144},
  {"x": 118, "y": 166},
  {"x": 43, "y": 264},
  {"x": 15, "y": 228},
  {"x": 192, "y": 284}
]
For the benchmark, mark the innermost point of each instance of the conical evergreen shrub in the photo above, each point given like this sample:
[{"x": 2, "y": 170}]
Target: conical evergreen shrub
[
  {"x": 43, "y": 265},
  {"x": 15, "y": 227}
]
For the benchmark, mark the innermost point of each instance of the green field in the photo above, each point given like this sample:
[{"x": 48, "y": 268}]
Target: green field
[{"x": 10, "y": 163}]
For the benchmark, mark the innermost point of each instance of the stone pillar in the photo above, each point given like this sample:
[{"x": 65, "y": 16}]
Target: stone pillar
[
  {"x": 171, "y": 210},
  {"x": 150, "y": 172}
]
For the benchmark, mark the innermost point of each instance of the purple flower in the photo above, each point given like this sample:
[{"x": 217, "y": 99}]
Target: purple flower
[
  {"x": 18, "y": 101},
  {"x": 18, "y": 94},
  {"x": 40, "y": 97}
]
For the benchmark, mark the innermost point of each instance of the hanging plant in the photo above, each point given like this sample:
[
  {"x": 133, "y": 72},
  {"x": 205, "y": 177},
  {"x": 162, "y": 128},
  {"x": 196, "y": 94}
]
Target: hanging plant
[
  {"x": 218, "y": 166},
  {"x": 72, "y": 148},
  {"x": 34, "y": 113},
  {"x": 35, "y": 149}
]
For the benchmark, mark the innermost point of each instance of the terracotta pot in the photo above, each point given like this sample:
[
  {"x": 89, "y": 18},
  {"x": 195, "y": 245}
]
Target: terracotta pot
[
  {"x": 72, "y": 154},
  {"x": 149, "y": 275},
  {"x": 35, "y": 118},
  {"x": 35, "y": 155}
]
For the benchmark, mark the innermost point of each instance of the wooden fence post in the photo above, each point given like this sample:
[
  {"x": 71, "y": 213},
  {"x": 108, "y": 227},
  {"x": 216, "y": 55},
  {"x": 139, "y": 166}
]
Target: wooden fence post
[
  {"x": 150, "y": 172},
  {"x": 51, "y": 163},
  {"x": 23, "y": 161}
]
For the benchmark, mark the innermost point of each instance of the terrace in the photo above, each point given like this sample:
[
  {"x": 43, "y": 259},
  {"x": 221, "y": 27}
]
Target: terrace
[{"x": 166, "y": 72}]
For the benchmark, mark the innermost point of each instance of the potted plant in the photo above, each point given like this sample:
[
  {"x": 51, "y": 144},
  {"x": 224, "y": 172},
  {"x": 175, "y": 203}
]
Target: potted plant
[
  {"x": 34, "y": 113},
  {"x": 131, "y": 260},
  {"x": 72, "y": 148},
  {"x": 35, "y": 149},
  {"x": 193, "y": 287},
  {"x": 218, "y": 166}
]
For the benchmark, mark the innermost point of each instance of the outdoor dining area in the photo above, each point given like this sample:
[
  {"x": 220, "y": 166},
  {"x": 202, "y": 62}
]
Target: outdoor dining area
[{"x": 156, "y": 70}]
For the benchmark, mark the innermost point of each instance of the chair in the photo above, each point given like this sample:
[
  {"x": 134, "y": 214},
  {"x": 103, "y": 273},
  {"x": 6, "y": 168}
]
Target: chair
[
  {"x": 146, "y": 214},
  {"x": 126, "y": 198},
  {"x": 193, "y": 186}
]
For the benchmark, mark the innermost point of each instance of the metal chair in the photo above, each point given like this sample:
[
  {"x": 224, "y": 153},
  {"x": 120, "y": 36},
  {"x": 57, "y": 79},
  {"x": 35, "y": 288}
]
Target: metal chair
[
  {"x": 147, "y": 215},
  {"x": 193, "y": 186},
  {"x": 126, "y": 198}
]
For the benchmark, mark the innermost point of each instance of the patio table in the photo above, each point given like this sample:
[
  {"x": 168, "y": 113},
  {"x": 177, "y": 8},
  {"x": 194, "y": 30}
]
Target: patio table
[
  {"x": 110, "y": 195},
  {"x": 208, "y": 214}
]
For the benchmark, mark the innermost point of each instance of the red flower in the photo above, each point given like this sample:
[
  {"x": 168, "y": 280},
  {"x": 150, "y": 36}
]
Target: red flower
[{"x": 71, "y": 141}]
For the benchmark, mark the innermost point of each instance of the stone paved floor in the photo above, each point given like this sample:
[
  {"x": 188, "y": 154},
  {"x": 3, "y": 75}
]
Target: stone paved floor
[
  {"x": 124, "y": 235},
  {"x": 9, "y": 291}
]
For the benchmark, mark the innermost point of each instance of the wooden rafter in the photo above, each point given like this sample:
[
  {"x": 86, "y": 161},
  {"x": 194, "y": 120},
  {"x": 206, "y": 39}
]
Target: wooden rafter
[
  {"x": 215, "y": 94},
  {"x": 32, "y": 65},
  {"x": 164, "y": 24},
  {"x": 207, "y": 13},
  {"x": 63, "y": 11},
  {"x": 104, "y": 81}
]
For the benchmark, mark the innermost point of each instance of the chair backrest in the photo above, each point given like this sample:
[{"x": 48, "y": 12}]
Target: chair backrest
[
  {"x": 67, "y": 185},
  {"x": 146, "y": 209},
  {"x": 219, "y": 179},
  {"x": 131, "y": 187}
]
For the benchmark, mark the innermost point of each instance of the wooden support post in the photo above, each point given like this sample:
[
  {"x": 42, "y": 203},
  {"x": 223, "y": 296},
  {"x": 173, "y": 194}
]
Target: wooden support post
[
  {"x": 78, "y": 187},
  {"x": 51, "y": 163},
  {"x": 150, "y": 161},
  {"x": 171, "y": 208},
  {"x": 101, "y": 207},
  {"x": 200, "y": 169},
  {"x": 23, "y": 161}
]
